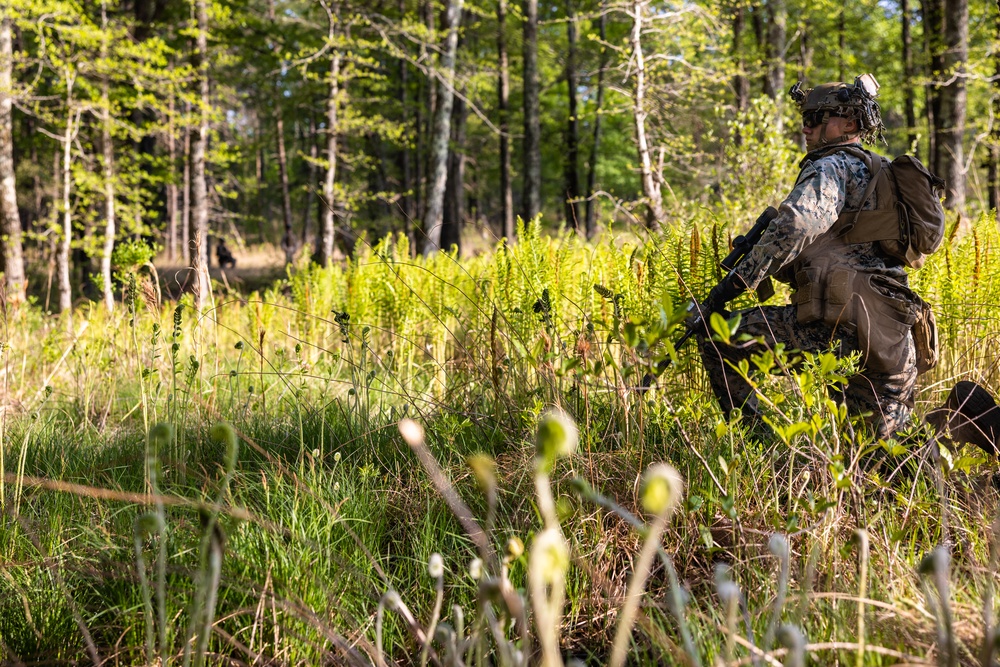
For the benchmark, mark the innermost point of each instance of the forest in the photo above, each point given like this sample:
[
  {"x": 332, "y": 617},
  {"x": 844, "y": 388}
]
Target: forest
[
  {"x": 328, "y": 330},
  {"x": 308, "y": 125}
]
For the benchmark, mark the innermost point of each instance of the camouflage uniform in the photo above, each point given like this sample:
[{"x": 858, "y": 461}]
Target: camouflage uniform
[{"x": 828, "y": 184}]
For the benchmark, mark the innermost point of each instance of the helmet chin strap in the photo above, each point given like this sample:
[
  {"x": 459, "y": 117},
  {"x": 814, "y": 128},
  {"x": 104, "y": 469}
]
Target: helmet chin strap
[{"x": 842, "y": 139}]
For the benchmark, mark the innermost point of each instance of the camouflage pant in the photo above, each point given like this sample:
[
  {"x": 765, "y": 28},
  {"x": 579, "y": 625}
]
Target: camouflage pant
[{"x": 887, "y": 396}]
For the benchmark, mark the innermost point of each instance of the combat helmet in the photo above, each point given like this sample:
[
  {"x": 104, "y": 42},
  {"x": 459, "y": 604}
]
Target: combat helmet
[{"x": 847, "y": 100}]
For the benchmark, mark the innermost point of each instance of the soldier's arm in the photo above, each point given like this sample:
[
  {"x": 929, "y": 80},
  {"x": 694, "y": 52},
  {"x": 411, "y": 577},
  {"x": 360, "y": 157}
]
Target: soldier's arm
[{"x": 809, "y": 210}]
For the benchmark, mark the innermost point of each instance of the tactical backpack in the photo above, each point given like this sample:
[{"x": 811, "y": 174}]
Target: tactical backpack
[
  {"x": 908, "y": 219},
  {"x": 907, "y": 222}
]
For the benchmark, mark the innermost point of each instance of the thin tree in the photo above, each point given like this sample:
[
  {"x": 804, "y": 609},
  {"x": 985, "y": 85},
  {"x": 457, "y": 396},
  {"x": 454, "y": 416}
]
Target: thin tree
[
  {"x": 173, "y": 233},
  {"x": 288, "y": 242},
  {"x": 186, "y": 192},
  {"x": 933, "y": 28},
  {"x": 503, "y": 112},
  {"x": 741, "y": 84},
  {"x": 10, "y": 218},
  {"x": 598, "y": 111},
  {"x": 64, "y": 285},
  {"x": 108, "y": 155},
  {"x": 952, "y": 97},
  {"x": 650, "y": 180},
  {"x": 199, "y": 185},
  {"x": 571, "y": 174},
  {"x": 310, "y": 178},
  {"x": 325, "y": 243},
  {"x": 454, "y": 209},
  {"x": 442, "y": 131},
  {"x": 532, "y": 190},
  {"x": 993, "y": 160},
  {"x": 909, "y": 103}
]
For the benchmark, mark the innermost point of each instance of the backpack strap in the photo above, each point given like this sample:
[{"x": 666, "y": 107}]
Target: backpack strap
[{"x": 877, "y": 224}]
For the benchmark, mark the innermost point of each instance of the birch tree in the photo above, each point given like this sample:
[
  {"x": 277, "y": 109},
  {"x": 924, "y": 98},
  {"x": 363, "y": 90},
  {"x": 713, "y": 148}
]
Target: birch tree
[
  {"x": 442, "y": 131},
  {"x": 10, "y": 217},
  {"x": 650, "y": 178},
  {"x": 199, "y": 184}
]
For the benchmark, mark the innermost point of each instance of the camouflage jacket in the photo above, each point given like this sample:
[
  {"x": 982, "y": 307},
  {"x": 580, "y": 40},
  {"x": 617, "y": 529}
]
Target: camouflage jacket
[{"x": 827, "y": 185}]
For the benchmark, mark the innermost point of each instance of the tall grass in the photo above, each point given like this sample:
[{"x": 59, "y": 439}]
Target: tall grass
[{"x": 306, "y": 537}]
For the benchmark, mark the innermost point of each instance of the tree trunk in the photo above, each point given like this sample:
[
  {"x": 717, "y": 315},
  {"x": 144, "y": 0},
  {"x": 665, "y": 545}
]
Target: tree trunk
[
  {"x": 199, "y": 185},
  {"x": 173, "y": 235},
  {"x": 442, "y": 132},
  {"x": 741, "y": 84},
  {"x": 451, "y": 232},
  {"x": 993, "y": 167},
  {"x": 37, "y": 190},
  {"x": 650, "y": 180},
  {"x": 10, "y": 217},
  {"x": 327, "y": 230},
  {"x": 503, "y": 113},
  {"x": 951, "y": 121},
  {"x": 186, "y": 196},
  {"x": 288, "y": 241},
  {"x": 778, "y": 37},
  {"x": 909, "y": 103},
  {"x": 405, "y": 155},
  {"x": 599, "y": 105},
  {"x": 108, "y": 151},
  {"x": 572, "y": 176},
  {"x": 933, "y": 24},
  {"x": 310, "y": 179},
  {"x": 841, "y": 43},
  {"x": 532, "y": 193},
  {"x": 64, "y": 284}
]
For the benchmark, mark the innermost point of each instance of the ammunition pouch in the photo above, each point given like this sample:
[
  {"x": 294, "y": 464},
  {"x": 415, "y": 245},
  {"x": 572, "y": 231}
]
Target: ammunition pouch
[
  {"x": 879, "y": 309},
  {"x": 925, "y": 337},
  {"x": 826, "y": 297}
]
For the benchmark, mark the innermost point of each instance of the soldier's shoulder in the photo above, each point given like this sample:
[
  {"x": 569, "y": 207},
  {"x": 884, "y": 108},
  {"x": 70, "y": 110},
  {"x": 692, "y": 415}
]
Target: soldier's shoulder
[{"x": 841, "y": 162}]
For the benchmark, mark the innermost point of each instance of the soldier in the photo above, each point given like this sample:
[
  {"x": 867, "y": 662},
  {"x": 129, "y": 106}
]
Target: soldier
[
  {"x": 224, "y": 256},
  {"x": 852, "y": 296}
]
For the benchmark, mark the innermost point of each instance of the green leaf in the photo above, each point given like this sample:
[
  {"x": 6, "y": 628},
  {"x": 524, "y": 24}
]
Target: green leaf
[{"x": 720, "y": 327}]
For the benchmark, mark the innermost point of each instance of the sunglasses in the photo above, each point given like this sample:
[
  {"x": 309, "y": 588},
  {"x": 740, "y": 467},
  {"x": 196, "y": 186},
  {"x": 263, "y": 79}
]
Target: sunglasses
[{"x": 813, "y": 119}]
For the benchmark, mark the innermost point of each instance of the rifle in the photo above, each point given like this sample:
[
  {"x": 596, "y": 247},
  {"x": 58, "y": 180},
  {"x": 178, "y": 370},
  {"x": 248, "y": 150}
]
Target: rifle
[{"x": 742, "y": 244}]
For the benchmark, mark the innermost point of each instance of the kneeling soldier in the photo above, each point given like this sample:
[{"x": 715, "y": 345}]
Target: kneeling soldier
[{"x": 849, "y": 294}]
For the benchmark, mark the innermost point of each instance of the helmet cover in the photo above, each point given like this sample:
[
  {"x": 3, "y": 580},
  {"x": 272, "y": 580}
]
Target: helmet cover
[{"x": 846, "y": 100}]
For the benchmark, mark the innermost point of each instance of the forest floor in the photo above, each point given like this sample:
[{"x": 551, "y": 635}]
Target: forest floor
[{"x": 257, "y": 267}]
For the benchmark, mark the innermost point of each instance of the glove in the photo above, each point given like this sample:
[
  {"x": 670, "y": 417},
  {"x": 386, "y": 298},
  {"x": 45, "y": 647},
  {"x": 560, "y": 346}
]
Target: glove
[{"x": 728, "y": 289}]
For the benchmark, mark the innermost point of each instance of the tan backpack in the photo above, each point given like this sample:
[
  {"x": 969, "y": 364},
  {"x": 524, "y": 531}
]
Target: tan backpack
[{"x": 908, "y": 220}]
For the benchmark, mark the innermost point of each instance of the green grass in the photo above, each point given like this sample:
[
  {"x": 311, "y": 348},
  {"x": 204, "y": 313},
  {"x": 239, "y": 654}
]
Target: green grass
[{"x": 328, "y": 508}]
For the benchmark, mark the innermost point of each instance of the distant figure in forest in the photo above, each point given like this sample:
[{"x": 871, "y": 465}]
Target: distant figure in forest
[
  {"x": 289, "y": 245},
  {"x": 224, "y": 256},
  {"x": 849, "y": 291}
]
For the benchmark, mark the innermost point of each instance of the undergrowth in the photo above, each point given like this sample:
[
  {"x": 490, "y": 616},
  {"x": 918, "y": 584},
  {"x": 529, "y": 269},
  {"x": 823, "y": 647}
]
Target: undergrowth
[{"x": 233, "y": 485}]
